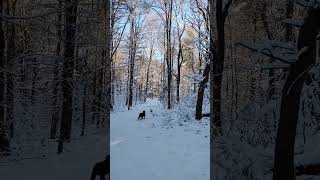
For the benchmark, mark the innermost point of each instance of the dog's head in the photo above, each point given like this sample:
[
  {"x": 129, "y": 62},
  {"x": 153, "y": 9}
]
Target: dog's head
[{"x": 143, "y": 111}]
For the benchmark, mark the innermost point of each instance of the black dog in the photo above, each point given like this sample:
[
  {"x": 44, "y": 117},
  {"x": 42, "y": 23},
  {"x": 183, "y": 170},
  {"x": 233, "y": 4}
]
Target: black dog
[
  {"x": 142, "y": 115},
  {"x": 101, "y": 169}
]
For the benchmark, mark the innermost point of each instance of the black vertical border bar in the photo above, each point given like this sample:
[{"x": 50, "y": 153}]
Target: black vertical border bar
[{"x": 211, "y": 16}]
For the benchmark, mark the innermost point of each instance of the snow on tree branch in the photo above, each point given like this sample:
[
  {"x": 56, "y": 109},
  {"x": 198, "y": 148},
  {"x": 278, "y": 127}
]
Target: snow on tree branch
[
  {"x": 273, "y": 49},
  {"x": 311, "y": 3},
  {"x": 294, "y": 22}
]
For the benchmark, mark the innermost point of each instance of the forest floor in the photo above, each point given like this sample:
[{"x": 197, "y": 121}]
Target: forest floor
[
  {"x": 164, "y": 145},
  {"x": 75, "y": 163}
]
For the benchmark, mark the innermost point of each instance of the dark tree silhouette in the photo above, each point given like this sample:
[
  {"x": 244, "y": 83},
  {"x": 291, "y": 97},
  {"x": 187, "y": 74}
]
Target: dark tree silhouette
[
  {"x": 284, "y": 167},
  {"x": 67, "y": 74}
]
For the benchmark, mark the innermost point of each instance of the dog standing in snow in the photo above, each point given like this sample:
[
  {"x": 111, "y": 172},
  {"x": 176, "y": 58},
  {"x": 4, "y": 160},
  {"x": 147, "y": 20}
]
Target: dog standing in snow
[
  {"x": 142, "y": 115},
  {"x": 101, "y": 169}
]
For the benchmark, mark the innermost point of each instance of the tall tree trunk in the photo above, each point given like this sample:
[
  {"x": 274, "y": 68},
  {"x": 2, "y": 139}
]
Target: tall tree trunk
[
  {"x": 212, "y": 60},
  {"x": 67, "y": 74},
  {"x": 213, "y": 155},
  {"x": 100, "y": 113},
  {"x": 284, "y": 167},
  {"x": 201, "y": 89},
  {"x": 4, "y": 141},
  {"x": 131, "y": 66},
  {"x": 102, "y": 69},
  {"x": 56, "y": 108},
  {"x": 84, "y": 105},
  {"x": 148, "y": 72},
  {"x": 34, "y": 79},
  {"x": 218, "y": 65},
  {"x": 11, "y": 53},
  {"x": 113, "y": 88},
  {"x": 112, "y": 49},
  {"x": 168, "y": 7},
  {"x": 179, "y": 63},
  {"x": 108, "y": 69},
  {"x": 263, "y": 15},
  {"x": 94, "y": 90},
  {"x": 289, "y": 14},
  {"x": 24, "y": 46},
  {"x": 199, "y": 51}
]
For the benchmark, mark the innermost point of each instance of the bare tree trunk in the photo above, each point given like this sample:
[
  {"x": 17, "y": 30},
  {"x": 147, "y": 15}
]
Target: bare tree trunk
[
  {"x": 168, "y": 9},
  {"x": 199, "y": 51},
  {"x": 94, "y": 91},
  {"x": 100, "y": 89},
  {"x": 108, "y": 69},
  {"x": 284, "y": 167},
  {"x": 201, "y": 89},
  {"x": 212, "y": 60},
  {"x": 34, "y": 79},
  {"x": 269, "y": 34},
  {"x": 131, "y": 66},
  {"x": 112, "y": 83},
  {"x": 179, "y": 63},
  {"x": 148, "y": 72},
  {"x": 112, "y": 63},
  {"x": 218, "y": 65},
  {"x": 102, "y": 70},
  {"x": 71, "y": 18},
  {"x": 4, "y": 141},
  {"x": 289, "y": 14},
  {"x": 56, "y": 108},
  {"x": 11, "y": 53},
  {"x": 84, "y": 106}
]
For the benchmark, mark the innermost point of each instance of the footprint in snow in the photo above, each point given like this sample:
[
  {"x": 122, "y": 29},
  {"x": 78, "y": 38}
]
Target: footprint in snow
[
  {"x": 172, "y": 152},
  {"x": 148, "y": 137}
]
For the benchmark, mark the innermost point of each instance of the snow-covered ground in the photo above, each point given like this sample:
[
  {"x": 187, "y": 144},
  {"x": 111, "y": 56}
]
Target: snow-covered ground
[
  {"x": 164, "y": 145},
  {"x": 237, "y": 160},
  {"x": 168, "y": 145},
  {"x": 75, "y": 163}
]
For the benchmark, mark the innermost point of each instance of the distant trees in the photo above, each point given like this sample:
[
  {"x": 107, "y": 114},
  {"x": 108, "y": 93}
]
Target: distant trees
[
  {"x": 136, "y": 24},
  {"x": 184, "y": 50}
]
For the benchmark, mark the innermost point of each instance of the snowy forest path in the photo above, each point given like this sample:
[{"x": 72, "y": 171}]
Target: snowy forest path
[{"x": 148, "y": 150}]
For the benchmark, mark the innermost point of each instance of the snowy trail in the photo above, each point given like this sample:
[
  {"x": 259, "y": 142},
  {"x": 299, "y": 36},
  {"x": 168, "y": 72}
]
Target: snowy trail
[{"x": 148, "y": 151}]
